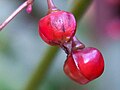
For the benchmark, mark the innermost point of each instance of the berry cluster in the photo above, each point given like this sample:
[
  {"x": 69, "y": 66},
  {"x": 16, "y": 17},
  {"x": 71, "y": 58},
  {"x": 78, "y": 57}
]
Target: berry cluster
[{"x": 83, "y": 64}]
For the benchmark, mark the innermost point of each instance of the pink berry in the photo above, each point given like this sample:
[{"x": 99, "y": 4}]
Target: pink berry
[
  {"x": 57, "y": 27},
  {"x": 84, "y": 65}
]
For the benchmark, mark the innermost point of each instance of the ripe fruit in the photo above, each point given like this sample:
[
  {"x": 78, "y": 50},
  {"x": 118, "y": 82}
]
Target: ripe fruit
[
  {"x": 84, "y": 65},
  {"x": 57, "y": 27}
]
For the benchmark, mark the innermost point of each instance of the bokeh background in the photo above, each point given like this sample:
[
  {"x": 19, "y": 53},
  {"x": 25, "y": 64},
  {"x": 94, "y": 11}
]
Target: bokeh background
[{"x": 21, "y": 47}]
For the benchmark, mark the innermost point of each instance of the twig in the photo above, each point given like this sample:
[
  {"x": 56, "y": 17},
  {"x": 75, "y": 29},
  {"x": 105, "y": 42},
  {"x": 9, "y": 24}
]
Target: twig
[{"x": 18, "y": 10}]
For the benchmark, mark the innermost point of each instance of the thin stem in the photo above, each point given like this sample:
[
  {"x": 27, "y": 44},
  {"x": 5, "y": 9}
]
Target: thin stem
[
  {"x": 30, "y": 1},
  {"x": 74, "y": 44},
  {"x": 77, "y": 44},
  {"x": 67, "y": 47},
  {"x": 51, "y": 6},
  {"x": 17, "y": 11}
]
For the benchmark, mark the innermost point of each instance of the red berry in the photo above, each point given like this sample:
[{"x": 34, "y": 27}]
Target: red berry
[
  {"x": 57, "y": 27},
  {"x": 84, "y": 65}
]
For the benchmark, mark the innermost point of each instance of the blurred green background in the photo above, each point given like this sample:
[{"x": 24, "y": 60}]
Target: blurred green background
[{"x": 21, "y": 49}]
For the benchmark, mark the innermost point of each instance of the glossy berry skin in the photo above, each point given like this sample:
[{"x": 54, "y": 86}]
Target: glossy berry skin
[
  {"x": 57, "y": 27},
  {"x": 84, "y": 65}
]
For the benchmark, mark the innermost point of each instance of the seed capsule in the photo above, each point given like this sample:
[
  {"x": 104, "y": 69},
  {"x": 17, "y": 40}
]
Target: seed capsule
[
  {"x": 57, "y": 27},
  {"x": 84, "y": 65}
]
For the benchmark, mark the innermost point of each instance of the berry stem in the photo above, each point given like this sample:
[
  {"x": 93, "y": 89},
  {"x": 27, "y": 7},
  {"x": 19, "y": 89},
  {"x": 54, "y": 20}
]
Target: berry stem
[
  {"x": 77, "y": 44},
  {"x": 74, "y": 44},
  {"x": 30, "y": 1},
  {"x": 51, "y": 6},
  {"x": 67, "y": 47},
  {"x": 17, "y": 11}
]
